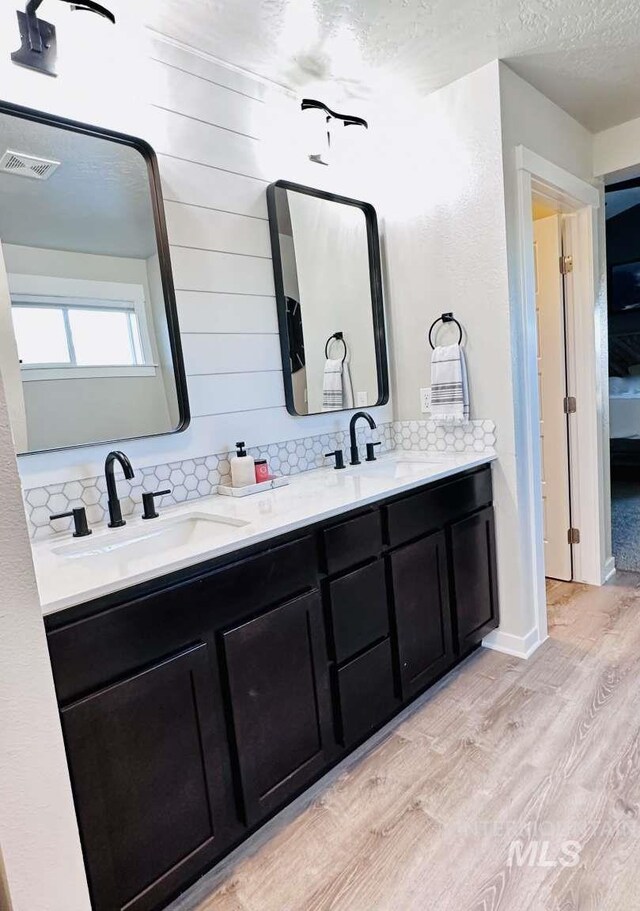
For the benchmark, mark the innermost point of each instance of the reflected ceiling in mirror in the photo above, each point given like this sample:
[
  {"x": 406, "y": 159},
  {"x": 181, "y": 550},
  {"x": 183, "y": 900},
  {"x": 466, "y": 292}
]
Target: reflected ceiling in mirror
[
  {"x": 326, "y": 262},
  {"x": 89, "y": 341}
]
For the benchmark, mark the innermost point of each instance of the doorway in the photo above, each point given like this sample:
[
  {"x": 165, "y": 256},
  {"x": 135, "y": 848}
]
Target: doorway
[
  {"x": 622, "y": 213},
  {"x": 577, "y": 202},
  {"x": 556, "y": 404}
]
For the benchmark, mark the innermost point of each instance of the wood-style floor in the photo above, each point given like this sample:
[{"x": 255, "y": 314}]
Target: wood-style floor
[{"x": 539, "y": 751}]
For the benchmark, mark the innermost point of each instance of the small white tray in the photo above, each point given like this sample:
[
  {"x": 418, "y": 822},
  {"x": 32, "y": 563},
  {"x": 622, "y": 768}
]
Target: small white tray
[{"x": 227, "y": 491}]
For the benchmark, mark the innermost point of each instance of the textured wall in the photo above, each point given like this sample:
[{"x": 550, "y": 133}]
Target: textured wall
[{"x": 38, "y": 833}]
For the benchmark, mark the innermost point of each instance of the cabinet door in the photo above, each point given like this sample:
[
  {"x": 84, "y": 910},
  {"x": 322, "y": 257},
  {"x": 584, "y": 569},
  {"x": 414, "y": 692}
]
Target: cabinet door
[
  {"x": 278, "y": 681},
  {"x": 422, "y": 614},
  {"x": 473, "y": 561},
  {"x": 151, "y": 781}
]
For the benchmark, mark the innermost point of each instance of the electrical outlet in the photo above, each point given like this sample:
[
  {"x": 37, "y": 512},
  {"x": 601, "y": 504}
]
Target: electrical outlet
[
  {"x": 361, "y": 399},
  {"x": 425, "y": 400}
]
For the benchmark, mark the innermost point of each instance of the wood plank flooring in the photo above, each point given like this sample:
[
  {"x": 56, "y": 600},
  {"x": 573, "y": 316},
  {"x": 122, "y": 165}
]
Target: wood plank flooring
[{"x": 544, "y": 752}]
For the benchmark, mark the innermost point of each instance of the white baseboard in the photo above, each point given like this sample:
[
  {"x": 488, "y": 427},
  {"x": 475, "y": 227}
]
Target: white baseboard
[
  {"x": 518, "y": 646},
  {"x": 609, "y": 569}
]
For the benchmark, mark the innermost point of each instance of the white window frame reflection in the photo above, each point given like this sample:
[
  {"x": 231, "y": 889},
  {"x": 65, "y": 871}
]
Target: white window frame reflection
[{"x": 72, "y": 294}]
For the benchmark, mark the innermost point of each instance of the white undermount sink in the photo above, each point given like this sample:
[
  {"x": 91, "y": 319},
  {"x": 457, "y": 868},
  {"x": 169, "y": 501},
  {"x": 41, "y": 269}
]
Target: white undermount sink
[
  {"x": 396, "y": 469},
  {"x": 149, "y": 541}
]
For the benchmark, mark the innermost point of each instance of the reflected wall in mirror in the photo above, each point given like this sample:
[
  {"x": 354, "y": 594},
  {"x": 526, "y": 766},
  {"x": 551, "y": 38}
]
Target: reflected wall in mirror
[
  {"x": 89, "y": 341},
  {"x": 326, "y": 262}
]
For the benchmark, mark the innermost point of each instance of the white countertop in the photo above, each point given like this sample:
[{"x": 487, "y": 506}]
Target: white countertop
[{"x": 310, "y": 497}]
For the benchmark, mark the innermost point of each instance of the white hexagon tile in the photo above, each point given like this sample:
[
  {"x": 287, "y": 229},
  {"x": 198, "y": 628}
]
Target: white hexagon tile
[{"x": 199, "y": 477}]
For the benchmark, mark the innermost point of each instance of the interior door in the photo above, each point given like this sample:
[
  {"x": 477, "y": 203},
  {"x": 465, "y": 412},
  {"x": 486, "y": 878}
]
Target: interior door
[{"x": 552, "y": 379}]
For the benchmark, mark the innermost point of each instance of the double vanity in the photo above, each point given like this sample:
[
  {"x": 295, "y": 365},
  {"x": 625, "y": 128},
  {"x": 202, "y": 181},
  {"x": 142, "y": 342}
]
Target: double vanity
[
  {"x": 214, "y": 662},
  {"x": 214, "y": 658}
]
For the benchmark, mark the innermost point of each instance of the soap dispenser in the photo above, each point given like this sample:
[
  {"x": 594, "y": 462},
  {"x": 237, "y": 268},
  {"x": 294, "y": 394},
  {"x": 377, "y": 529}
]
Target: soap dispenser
[{"x": 243, "y": 469}]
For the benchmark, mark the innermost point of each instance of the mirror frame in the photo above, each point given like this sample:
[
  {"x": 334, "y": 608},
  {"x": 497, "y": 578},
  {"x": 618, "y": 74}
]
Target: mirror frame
[
  {"x": 164, "y": 258},
  {"x": 375, "y": 276}
]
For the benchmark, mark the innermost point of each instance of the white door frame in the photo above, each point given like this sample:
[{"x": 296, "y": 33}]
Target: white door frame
[{"x": 589, "y": 463}]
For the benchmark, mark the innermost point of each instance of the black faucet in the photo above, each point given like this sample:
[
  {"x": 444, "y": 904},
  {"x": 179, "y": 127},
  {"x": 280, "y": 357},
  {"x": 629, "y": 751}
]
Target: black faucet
[
  {"x": 115, "y": 512},
  {"x": 355, "y": 456}
]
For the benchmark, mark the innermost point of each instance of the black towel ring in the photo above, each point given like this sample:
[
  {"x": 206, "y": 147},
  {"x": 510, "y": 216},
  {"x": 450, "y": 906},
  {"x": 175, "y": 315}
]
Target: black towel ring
[
  {"x": 445, "y": 318},
  {"x": 339, "y": 337}
]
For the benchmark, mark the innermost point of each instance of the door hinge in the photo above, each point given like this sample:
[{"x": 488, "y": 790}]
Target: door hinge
[
  {"x": 566, "y": 265},
  {"x": 574, "y": 536},
  {"x": 570, "y": 406}
]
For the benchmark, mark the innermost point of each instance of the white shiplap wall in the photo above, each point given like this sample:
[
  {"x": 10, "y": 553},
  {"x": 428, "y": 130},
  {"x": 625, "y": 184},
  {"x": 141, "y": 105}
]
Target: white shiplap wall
[{"x": 221, "y": 137}]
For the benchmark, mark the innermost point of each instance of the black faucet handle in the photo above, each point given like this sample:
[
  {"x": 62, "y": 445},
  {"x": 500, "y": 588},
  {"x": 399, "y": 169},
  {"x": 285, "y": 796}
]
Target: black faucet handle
[
  {"x": 338, "y": 455},
  {"x": 148, "y": 502},
  {"x": 79, "y": 516},
  {"x": 371, "y": 451}
]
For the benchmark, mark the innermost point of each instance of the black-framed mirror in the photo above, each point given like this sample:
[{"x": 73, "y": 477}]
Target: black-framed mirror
[
  {"x": 326, "y": 263},
  {"x": 90, "y": 346}
]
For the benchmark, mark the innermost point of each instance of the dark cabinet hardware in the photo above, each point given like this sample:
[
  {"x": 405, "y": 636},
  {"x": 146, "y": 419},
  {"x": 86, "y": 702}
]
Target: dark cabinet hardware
[
  {"x": 115, "y": 511},
  {"x": 79, "y": 515},
  {"x": 355, "y": 457},
  {"x": 148, "y": 503},
  {"x": 371, "y": 451},
  {"x": 338, "y": 455}
]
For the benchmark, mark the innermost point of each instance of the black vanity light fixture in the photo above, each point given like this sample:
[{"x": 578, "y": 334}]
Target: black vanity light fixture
[
  {"x": 38, "y": 50},
  {"x": 348, "y": 120}
]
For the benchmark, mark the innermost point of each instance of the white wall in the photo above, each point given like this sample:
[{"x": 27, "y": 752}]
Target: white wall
[
  {"x": 616, "y": 152},
  {"x": 446, "y": 250}
]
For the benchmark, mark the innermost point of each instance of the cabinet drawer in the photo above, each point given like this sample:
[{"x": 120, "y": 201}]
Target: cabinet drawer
[
  {"x": 351, "y": 542},
  {"x": 359, "y": 611},
  {"x": 365, "y": 692},
  {"x": 436, "y": 507}
]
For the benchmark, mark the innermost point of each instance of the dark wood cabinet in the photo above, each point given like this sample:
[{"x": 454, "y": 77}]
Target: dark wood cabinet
[
  {"x": 148, "y": 765},
  {"x": 422, "y": 612},
  {"x": 474, "y": 574},
  {"x": 279, "y": 687},
  {"x": 196, "y": 706}
]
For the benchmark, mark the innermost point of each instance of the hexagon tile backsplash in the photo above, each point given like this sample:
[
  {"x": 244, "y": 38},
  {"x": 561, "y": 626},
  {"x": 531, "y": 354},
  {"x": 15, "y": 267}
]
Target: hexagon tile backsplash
[{"x": 199, "y": 477}]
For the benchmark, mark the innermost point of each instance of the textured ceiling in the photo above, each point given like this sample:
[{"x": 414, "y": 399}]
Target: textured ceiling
[
  {"x": 583, "y": 54},
  {"x": 98, "y": 200}
]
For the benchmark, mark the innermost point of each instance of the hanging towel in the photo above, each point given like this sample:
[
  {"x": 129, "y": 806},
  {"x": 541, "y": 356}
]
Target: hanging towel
[
  {"x": 337, "y": 388},
  {"x": 332, "y": 386},
  {"x": 449, "y": 385}
]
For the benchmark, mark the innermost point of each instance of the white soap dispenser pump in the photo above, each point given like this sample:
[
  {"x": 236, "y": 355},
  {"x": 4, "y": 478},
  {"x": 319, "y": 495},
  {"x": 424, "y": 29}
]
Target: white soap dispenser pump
[{"x": 243, "y": 468}]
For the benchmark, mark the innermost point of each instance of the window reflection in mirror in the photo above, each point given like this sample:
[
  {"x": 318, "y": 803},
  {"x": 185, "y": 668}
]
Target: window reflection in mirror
[
  {"x": 327, "y": 274},
  {"x": 89, "y": 349}
]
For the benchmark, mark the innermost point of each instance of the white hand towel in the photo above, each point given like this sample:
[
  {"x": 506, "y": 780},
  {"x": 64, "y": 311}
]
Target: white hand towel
[
  {"x": 449, "y": 385},
  {"x": 332, "y": 386}
]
